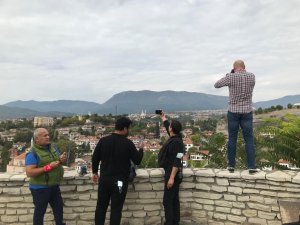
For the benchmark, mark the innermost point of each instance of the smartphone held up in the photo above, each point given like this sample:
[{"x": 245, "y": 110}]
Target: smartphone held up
[{"x": 158, "y": 111}]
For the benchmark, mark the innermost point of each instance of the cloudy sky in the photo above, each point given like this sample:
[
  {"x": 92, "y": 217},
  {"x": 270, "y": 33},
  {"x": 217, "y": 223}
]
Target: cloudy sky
[{"x": 90, "y": 50}]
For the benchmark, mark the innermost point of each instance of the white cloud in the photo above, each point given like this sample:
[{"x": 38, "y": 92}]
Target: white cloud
[{"x": 91, "y": 50}]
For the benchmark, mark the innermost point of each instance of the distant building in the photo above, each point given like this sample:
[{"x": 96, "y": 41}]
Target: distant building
[
  {"x": 188, "y": 144},
  {"x": 17, "y": 164},
  {"x": 43, "y": 121},
  {"x": 296, "y": 105}
]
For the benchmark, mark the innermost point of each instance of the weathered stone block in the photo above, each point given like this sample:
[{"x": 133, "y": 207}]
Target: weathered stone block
[
  {"x": 250, "y": 191},
  {"x": 223, "y": 209},
  {"x": 249, "y": 213},
  {"x": 235, "y": 190},
  {"x": 220, "y": 216},
  {"x": 222, "y": 182},
  {"x": 139, "y": 214},
  {"x": 239, "y": 219},
  {"x": 203, "y": 187},
  {"x": 229, "y": 197},
  {"x": 81, "y": 188},
  {"x": 208, "y": 207},
  {"x": 152, "y": 207},
  {"x": 223, "y": 203},
  {"x": 9, "y": 219},
  {"x": 147, "y": 195},
  {"x": 84, "y": 197},
  {"x": 219, "y": 189},
  {"x": 256, "y": 198},
  {"x": 269, "y": 193},
  {"x": 143, "y": 187},
  {"x": 267, "y": 215},
  {"x": 259, "y": 206}
]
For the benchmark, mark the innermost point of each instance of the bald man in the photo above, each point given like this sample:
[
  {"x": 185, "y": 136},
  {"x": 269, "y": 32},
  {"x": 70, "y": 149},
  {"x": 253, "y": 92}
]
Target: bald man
[
  {"x": 241, "y": 84},
  {"x": 43, "y": 166}
]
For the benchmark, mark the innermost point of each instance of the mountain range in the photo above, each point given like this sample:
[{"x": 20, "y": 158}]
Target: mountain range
[{"x": 129, "y": 102}]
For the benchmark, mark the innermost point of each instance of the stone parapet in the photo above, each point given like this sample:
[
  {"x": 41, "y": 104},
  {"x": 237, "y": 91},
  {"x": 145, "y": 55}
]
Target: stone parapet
[{"x": 208, "y": 196}]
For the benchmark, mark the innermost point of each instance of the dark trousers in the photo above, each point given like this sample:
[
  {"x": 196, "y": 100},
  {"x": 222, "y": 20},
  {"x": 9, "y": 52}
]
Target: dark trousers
[
  {"x": 171, "y": 204},
  {"x": 245, "y": 121},
  {"x": 108, "y": 190},
  {"x": 41, "y": 198}
]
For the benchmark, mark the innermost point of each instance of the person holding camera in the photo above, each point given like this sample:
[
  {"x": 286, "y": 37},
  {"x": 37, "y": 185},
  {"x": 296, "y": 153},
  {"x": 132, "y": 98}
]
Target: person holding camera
[
  {"x": 170, "y": 158},
  {"x": 241, "y": 84},
  {"x": 44, "y": 168},
  {"x": 115, "y": 152}
]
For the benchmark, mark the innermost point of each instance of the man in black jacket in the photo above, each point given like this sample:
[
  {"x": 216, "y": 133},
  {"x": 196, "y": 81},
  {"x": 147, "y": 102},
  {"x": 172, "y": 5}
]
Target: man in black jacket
[
  {"x": 115, "y": 152},
  {"x": 170, "y": 159}
]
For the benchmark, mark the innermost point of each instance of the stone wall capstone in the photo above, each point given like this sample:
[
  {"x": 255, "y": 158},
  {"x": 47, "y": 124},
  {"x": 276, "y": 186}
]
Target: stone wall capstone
[{"x": 207, "y": 196}]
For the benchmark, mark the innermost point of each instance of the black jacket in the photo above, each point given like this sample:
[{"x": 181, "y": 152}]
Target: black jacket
[
  {"x": 115, "y": 152},
  {"x": 171, "y": 148}
]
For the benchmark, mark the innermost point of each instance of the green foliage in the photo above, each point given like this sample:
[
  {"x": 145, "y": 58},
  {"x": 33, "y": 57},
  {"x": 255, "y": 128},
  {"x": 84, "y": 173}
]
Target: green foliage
[
  {"x": 6, "y": 125},
  {"x": 196, "y": 139},
  {"x": 105, "y": 120},
  {"x": 281, "y": 140},
  {"x": 5, "y": 157},
  {"x": 23, "y": 136},
  {"x": 289, "y": 106},
  {"x": 67, "y": 121},
  {"x": 163, "y": 139},
  {"x": 197, "y": 164},
  {"x": 149, "y": 160},
  {"x": 217, "y": 146},
  {"x": 137, "y": 128},
  {"x": 193, "y": 150},
  {"x": 70, "y": 148},
  {"x": 259, "y": 111},
  {"x": 208, "y": 125}
]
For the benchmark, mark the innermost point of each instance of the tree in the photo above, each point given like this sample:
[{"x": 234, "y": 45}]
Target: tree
[
  {"x": 208, "y": 125},
  {"x": 196, "y": 139},
  {"x": 289, "y": 106},
  {"x": 281, "y": 140},
  {"x": 259, "y": 111},
  {"x": 23, "y": 136},
  {"x": 217, "y": 146},
  {"x": 193, "y": 150},
  {"x": 149, "y": 160},
  {"x": 70, "y": 148},
  {"x": 5, "y": 157},
  {"x": 197, "y": 164}
]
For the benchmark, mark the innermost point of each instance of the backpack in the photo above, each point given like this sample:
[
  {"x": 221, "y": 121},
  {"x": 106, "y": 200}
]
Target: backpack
[{"x": 132, "y": 173}]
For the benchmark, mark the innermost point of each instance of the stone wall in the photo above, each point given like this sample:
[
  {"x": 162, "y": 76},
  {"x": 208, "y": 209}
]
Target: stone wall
[{"x": 208, "y": 196}]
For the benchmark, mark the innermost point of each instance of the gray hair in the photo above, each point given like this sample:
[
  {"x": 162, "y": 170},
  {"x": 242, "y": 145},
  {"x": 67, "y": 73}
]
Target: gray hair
[{"x": 36, "y": 133}]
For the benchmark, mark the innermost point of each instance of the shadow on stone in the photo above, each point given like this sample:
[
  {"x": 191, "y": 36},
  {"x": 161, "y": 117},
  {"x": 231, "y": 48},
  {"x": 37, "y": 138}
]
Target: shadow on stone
[{"x": 290, "y": 212}]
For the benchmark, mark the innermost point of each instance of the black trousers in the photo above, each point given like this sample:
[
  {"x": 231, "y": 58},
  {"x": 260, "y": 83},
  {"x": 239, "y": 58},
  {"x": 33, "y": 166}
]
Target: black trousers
[
  {"x": 41, "y": 198},
  {"x": 171, "y": 203},
  {"x": 108, "y": 190}
]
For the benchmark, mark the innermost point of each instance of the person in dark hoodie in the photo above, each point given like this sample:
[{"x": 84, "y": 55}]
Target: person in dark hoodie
[
  {"x": 170, "y": 158},
  {"x": 115, "y": 152}
]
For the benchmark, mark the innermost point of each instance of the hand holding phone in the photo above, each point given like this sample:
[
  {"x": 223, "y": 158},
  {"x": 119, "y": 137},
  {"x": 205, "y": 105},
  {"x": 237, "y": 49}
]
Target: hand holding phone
[{"x": 158, "y": 111}]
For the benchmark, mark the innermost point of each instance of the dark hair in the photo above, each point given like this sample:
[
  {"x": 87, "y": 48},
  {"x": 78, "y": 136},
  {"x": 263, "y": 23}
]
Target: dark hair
[
  {"x": 122, "y": 122},
  {"x": 176, "y": 126}
]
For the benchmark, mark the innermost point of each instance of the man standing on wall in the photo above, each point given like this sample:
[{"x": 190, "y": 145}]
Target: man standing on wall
[
  {"x": 115, "y": 152},
  {"x": 43, "y": 166},
  {"x": 241, "y": 84}
]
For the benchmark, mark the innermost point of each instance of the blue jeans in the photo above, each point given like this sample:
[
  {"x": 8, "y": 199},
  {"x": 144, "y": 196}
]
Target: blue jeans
[
  {"x": 245, "y": 121},
  {"x": 41, "y": 197}
]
